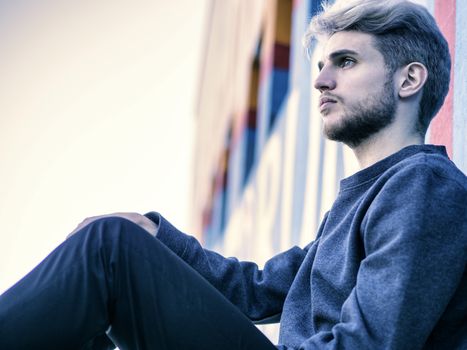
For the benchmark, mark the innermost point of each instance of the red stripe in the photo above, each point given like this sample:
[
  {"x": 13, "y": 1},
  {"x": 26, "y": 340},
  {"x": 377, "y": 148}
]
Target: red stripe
[
  {"x": 281, "y": 55},
  {"x": 296, "y": 3},
  {"x": 441, "y": 127},
  {"x": 251, "y": 123}
]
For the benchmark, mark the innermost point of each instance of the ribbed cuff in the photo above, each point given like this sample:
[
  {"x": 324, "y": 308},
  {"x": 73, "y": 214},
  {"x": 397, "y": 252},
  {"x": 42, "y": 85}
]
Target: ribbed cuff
[{"x": 171, "y": 237}]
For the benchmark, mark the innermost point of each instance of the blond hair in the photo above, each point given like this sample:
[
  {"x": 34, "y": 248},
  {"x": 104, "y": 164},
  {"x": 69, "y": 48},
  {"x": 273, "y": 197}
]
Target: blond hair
[{"x": 405, "y": 30}]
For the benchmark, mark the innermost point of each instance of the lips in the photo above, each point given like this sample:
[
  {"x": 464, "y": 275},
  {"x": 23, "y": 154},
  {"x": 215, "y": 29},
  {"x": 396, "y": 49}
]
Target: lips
[{"x": 326, "y": 101}]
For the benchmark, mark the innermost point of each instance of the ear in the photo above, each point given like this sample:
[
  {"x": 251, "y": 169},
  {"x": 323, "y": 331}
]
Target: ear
[{"x": 412, "y": 79}]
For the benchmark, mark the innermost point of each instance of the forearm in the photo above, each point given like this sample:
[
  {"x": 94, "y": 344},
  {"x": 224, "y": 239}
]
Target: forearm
[{"x": 258, "y": 293}]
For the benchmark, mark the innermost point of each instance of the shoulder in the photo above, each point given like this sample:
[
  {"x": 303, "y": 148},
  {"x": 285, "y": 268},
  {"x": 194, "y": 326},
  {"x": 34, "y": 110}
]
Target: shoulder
[
  {"x": 439, "y": 165},
  {"x": 423, "y": 186},
  {"x": 421, "y": 198},
  {"x": 430, "y": 171}
]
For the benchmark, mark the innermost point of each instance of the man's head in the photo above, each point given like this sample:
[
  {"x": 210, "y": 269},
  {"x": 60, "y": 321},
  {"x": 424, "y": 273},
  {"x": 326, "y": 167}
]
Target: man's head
[
  {"x": 404, "y": 33},
  {"x": 358, "y": 97}
]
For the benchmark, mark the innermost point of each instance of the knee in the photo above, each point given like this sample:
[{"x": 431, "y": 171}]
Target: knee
[
  {"x": 131, "y": 221},
  {"x": 112, "y": 226},
  {"x": 103, "y": 229}
]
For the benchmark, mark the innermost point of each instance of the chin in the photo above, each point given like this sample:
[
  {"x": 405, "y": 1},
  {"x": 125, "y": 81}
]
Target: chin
[
  {"x": 338, "y": 132},
  {"x": 333, "y": 115},
  {"x": 332, "y": 124}
]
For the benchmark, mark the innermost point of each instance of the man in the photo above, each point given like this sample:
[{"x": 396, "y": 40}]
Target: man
[{"x": 386, "y": 271}]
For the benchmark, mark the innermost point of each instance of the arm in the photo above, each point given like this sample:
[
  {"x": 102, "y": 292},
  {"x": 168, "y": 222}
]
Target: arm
[
  {"x": 415, "y": 241},
  {"x": 257, "y": 293}
]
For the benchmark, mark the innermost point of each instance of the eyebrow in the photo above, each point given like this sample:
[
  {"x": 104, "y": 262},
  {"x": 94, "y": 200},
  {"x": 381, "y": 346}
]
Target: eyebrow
[{"x": 337, "y": 54}]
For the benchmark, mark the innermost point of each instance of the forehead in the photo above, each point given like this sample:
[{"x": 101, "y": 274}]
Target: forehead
[{"x": 361, "y": 43}]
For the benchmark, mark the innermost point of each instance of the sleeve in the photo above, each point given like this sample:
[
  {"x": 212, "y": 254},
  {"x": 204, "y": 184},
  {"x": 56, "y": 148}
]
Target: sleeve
[
  {"x": 415, "y": 241},
  {"x": 259, "y": 294}
]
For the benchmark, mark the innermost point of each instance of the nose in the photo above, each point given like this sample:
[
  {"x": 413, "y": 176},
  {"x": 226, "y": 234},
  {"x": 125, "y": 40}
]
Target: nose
[{"x": 325, "y": 80}]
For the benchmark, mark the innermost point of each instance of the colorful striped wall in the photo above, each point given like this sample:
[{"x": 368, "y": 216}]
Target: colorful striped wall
[{"x": 272, "y": 175}]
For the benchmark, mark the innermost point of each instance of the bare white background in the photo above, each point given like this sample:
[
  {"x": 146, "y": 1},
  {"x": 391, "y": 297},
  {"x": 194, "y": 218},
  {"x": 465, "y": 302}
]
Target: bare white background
[{"x": 97, "y": 106}]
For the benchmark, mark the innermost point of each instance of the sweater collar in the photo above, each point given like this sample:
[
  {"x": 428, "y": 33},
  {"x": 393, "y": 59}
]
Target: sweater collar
[{"x": 381, "y": 166}]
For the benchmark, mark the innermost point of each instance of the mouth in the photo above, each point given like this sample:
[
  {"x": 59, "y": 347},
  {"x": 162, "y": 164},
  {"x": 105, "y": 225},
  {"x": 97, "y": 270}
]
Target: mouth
[{"x": 325, "y": 102}]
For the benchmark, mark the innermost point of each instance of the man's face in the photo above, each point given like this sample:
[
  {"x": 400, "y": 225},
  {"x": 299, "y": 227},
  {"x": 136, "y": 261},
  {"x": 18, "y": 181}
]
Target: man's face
[{"x": 357, "y": 94}]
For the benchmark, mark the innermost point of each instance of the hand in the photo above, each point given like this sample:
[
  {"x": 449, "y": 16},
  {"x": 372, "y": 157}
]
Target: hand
[{"x": 136, "y": 218}]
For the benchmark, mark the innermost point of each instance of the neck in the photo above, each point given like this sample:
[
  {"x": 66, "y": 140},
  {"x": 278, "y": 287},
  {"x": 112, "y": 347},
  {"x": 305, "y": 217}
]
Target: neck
[{"x": 383, "y": 144}]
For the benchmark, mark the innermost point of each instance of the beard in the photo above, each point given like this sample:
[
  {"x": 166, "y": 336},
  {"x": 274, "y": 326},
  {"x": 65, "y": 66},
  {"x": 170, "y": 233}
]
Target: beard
[{"x": 365, "y": 118}]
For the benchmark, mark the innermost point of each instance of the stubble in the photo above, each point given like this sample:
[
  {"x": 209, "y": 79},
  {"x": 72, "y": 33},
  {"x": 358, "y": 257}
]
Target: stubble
[{"x": 365, "y": 118}]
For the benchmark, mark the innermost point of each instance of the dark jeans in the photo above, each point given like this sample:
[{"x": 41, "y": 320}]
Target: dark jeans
[{"x": 114, "y": 279}]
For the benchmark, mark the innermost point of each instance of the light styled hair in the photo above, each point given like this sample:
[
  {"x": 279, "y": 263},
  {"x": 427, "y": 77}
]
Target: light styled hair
[{"x": 404, "y": 32}]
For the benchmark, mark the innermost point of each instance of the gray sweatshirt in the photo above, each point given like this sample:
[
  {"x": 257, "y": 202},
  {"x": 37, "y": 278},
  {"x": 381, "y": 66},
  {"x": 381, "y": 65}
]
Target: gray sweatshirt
[{"x": 386, "y": 271}]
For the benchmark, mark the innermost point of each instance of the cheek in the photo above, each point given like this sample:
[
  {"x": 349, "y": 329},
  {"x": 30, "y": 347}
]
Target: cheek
[
  {"x": 361, "y": 82},
  {"x": 362, "y": 90}
]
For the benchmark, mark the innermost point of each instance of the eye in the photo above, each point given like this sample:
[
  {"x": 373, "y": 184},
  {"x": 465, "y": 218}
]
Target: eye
[{"x": 346, "y": 62}]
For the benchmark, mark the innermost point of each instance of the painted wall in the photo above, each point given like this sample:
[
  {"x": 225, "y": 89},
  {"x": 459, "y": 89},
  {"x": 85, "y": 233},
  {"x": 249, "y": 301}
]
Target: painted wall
[{"x": 263, "y": 174}]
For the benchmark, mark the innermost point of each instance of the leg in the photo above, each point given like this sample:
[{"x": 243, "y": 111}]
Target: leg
[
  {"x": 101, "y": 342},
  {"x": 113, "y": 273}
]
